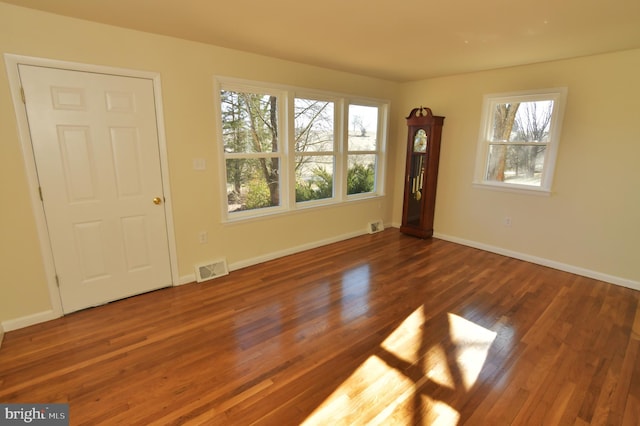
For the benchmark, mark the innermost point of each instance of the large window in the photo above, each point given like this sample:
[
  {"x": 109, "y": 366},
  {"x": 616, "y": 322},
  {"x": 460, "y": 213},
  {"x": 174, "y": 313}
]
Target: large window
[
  {"x": 362, "y": 151},
  {"x": 315, "y": 149},
  {"x": 253, "y": 155},
  {"x": 286, "y": 149},
  {"x": 519, "y": 139}
]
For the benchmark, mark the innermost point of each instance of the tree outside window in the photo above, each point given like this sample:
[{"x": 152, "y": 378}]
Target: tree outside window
[
  {"x": 284, "y": 149},
  {"x": 362, "y": 149},
  {"x": 519, "y": 139},
  {"x": 314, "y": 149},
  {"x": 250, "y": 136}
]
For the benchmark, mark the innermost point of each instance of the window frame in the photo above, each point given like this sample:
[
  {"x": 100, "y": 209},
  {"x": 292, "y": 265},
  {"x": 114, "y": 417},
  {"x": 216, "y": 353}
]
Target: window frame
[
  {"x": 337, "y": 111},
  {"x": 281, "y": 154},
  {"x": 286, "y": 125},
  {"x": 378, "y": 152},
  {"x": 558, "y": 96}
]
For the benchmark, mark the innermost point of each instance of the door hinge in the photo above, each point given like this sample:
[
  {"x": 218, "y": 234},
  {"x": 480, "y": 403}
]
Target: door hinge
[
  {"x": 24, "y": 99},
  {"x": 57, "y": 282},
  {"x": 40, "y": 192}
]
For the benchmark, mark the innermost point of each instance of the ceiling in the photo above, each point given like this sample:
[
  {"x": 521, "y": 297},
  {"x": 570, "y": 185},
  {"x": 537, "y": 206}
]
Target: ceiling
[{"x": 392, "y": 40}]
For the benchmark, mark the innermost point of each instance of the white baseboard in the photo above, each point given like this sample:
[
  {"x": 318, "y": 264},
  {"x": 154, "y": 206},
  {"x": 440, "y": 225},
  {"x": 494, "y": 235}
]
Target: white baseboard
[
  {"x": 635, "y": 285},
  {"x": 493, "y": 249},
  {"x": 33, "y": 319},
  {"x": 186, "y": 279},
  {"x": 293, "y": 250},
  {"x": 28, "y": 320}
]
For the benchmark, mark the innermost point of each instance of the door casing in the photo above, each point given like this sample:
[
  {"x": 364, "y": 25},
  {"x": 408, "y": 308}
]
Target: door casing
[{"x": 12, "y": 61}]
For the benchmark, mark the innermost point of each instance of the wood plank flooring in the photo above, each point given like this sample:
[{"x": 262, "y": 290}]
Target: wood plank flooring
[{"x": 381, "y": 329}]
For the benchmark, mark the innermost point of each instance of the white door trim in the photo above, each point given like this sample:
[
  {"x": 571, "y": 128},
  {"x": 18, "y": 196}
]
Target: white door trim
[{"x": 12, "y": 61}]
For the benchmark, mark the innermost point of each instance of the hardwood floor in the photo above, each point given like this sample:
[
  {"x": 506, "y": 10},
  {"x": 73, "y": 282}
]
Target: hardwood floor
[{"x": 380, "y": 329}]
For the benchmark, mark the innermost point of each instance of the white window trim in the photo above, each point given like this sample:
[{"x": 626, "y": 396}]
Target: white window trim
[
  {"x": 283, "y": 106},
  {"x": 288, "y": 205},
  {"x": 338, "y": 106},
  {"x": 383, "y": 118},
  {"x": 558, "y": 95}
]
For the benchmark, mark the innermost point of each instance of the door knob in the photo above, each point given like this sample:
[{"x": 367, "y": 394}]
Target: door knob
[{"x": 157, "y": 200}]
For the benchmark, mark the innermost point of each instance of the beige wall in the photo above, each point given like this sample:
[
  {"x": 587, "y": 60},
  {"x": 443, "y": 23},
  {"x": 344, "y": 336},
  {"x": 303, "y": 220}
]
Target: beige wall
[
  {"x": 187, "y": 71},
  {"x": 590, "y": 223}
]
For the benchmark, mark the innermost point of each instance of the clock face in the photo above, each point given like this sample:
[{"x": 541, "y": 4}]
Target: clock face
[{"x": 420, "y": 141}]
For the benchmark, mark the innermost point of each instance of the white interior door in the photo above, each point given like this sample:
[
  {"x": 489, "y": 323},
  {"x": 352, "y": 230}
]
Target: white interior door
[{"x": 95, "y": 142}]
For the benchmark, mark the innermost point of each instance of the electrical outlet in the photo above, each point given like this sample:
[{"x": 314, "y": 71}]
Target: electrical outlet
[{"x": 203, "y": 237}]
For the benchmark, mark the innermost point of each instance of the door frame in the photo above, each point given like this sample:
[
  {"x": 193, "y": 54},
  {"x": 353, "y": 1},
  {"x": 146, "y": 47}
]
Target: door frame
[{"x": 11, "y": 62}]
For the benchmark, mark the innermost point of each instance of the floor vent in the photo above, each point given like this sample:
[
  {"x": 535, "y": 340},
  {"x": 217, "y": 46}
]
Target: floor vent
[
  {"x": 376, "y": 226},
  {"x": 211, "y": 270}
]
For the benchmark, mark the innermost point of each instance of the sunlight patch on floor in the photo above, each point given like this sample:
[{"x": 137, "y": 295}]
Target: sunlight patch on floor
[
  {"x": 439, "y": 414},
  {"x": 389, "y": 387},
  {"x": 406, "y": 340},
  {"x": 473, "y": 343},
  {"x": 373, "y": 384}
]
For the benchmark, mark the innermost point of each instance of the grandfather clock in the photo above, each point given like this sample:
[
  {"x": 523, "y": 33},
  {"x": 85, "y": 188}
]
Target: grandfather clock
[{"x": 421, "y": 174}]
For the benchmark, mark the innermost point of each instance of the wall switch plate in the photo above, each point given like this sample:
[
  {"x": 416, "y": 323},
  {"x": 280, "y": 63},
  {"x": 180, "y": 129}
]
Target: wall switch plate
[{"x": 199, "y": 164}]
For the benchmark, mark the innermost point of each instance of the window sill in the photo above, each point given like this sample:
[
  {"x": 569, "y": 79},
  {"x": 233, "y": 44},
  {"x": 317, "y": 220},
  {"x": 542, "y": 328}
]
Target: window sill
[
  {"x": 300, "y": 208},
  {"x": 513, "y": 188}
]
